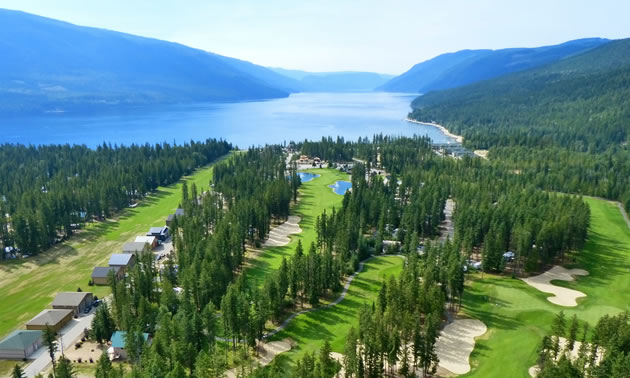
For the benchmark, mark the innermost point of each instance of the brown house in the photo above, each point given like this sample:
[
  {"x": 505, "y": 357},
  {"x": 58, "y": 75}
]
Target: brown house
[
  {"x": 54, "y": 318},
  {"x": 71, "y": 300},
  {"x": 100, "y": 274}
]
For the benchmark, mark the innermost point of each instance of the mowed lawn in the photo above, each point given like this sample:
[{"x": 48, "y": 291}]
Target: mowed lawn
[
  {"x": 315, "y": 197},
  {"x": 332, "y": 324},
  {"x": 518, "y": 316},
  {"x": 29, "y": 286}
]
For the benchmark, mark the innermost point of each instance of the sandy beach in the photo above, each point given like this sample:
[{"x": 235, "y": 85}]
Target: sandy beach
[{"x": 444, "y": 130}]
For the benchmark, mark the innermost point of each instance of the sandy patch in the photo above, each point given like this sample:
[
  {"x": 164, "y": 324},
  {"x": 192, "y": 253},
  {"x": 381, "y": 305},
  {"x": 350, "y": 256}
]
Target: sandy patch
[
  {"x": 339, "y": 358},
  {"x": 573, "y": 355},
  {"x": 481, "y": 153},
  {"x": 562, "y": 296},
  {"x": 279, "y": 236},
  {"x": 456, "y": 342},
  {"x": 266, "y": 353},
  {"x": 444, "y": 130}
]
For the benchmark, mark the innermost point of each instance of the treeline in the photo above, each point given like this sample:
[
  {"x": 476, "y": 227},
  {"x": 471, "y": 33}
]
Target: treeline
[
  {"x": 562, "y": 127},
  {"x": 574, "y": 351},
  {"x": 46, "y": 192},
  {"x": 178, "y": 304}
]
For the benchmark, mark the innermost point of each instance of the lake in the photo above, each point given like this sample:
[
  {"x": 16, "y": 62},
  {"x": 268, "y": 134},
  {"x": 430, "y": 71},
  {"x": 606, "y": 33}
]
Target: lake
[
  {"x": 306, "y": 176},
  {"x": 297, "y": 117}
]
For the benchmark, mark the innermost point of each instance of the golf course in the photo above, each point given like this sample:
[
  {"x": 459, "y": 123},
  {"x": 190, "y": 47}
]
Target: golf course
[
  {"x": 29, "y": 285},
  {"x": 518, "y": 316}
]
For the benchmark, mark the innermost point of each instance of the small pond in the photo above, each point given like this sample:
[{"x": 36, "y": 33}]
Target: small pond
[
  {"x": 341, "y": 187},
  {"x": 306, "y": 176}
]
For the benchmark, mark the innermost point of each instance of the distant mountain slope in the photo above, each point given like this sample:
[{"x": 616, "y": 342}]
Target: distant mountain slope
[
  {"x": 335, "y": 81},
  {"x": 48, "y": 64},
  {"x": 580, "y": 103},
  {"x": 468, "y": 66}
]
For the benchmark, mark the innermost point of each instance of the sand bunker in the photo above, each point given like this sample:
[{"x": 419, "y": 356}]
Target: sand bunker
[
  {"x": 573, "y": 354},
  {"x": 456, "y": 342},
  {"x": 279, "y": 236},
  {"x": 562, "y": 296},
  {"x": 266, "y": 353}
]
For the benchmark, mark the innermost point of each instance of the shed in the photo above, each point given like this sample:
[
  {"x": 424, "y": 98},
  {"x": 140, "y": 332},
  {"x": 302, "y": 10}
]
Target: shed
[
  {"x": 100, "y": 274},
  {"x": 152, "y": 241},
  {"x": 55, "y": 319},
  {"x": 77, "y": 301},
  {"x": 123, "y": 260},
  {"x": 118, "y": 344},
  {"x": 20, "y": 344},
  {"x": 135, "y": 248},
  {"x": 159, "y": 232}
]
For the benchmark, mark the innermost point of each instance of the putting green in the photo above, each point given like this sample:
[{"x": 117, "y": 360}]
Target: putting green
[{"x": 518, "y": 316}]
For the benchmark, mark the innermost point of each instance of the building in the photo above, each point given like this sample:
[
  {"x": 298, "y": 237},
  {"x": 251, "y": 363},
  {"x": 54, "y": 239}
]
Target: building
[
  {"x": 178, "y": 213},
  {"x": 117, "y": 348},
  {"x": 124, "y": 261},
  {"x": 100, "y": 274},
  {"x": 152, "y": 241},
  {"x": 135, "y": 248},
  {"x": 77, "y": 301},
  {"x": 20, "y": 344},
  {"x": 161, "y": 233},
  {"x": 55, "y": 319}
]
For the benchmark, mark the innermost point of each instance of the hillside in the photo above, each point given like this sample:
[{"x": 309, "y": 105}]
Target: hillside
[
  {"x": 468, "y": 66},
  {"x": 564, "y": 127},
  {"x": 48, "y": 64},
  {"x": 335, "y": 81}
]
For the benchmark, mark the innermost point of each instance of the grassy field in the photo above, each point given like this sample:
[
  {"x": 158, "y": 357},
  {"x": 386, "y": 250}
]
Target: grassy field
[
  {"x": 518, "y": 316},
  {"x": 29, "y": 286},
  {"x": 312, "y": 329},
  {"x": 315, "y": 197}
]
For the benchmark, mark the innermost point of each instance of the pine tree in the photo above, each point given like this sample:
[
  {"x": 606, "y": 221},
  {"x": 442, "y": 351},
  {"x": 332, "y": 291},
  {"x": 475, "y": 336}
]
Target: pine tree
[
  {"x": 49, "y": 339},
  {"x": 104, "y": 367},
  {"x": 17, "y": 372}
]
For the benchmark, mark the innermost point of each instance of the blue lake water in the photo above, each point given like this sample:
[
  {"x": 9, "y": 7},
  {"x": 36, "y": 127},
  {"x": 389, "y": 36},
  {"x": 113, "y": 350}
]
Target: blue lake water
[
  {"x": 341, "y": 187},
  {"x": 306, "y": 176},
  {"x": 298, "y": 117}
]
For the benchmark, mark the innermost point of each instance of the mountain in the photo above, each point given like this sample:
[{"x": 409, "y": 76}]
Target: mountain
[
  {"x": 468, "y": 66},
  {"x": 581, "y": 103},
  {"x": 48, "y": 64},
  {"x": 335, "y": 81}
]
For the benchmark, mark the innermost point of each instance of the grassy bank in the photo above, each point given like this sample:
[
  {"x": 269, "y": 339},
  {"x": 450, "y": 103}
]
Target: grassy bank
[
  {"x": 518, "y": 316},
  {"x": 29, "y": 286}
]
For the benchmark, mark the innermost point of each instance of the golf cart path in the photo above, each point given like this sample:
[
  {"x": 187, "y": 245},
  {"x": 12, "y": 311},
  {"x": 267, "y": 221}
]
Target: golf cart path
[{"x": 341, "y": 297}]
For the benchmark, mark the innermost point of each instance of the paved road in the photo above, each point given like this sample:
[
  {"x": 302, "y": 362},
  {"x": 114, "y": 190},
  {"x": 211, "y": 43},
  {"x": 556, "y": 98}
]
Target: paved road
[{"x": 69, "y": 334}]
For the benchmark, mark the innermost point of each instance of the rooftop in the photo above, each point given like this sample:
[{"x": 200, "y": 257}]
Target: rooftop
[
  {"x": 157, "y": 230},
  {"x": 20, "y": 339},
  {"x": 118, "y": 339},
  {"x": 134, "y": 247},
  {"x": 145, "y": 239},
  {"x": 120, "y": 259},
  {"x": 70, "y": 298},
  {"x": 103, "y": 271},
  {"x": 49, "y": 317}
]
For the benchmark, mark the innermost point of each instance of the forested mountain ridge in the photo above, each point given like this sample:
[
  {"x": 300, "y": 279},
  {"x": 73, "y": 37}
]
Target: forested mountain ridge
[
  {"x": 49, "y": 65},
  {"x": 468, "y": 66},
  {"x": 564, "y": 126},
  {"x": 342, "y": 81}
]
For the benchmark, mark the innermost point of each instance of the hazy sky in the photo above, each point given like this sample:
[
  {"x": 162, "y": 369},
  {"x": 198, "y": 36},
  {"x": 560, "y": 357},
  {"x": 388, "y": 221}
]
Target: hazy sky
[{"x": 361, "y": 35}]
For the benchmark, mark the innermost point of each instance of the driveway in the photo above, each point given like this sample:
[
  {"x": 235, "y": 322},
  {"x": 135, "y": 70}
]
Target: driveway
[{"x": 69, "y": 334}]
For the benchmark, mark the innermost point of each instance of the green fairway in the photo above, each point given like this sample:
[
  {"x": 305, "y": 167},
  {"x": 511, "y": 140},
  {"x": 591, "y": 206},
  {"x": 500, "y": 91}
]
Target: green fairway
[
  {"x": 29, "y": 286},
  {"x": 315, "y": 197},
  {"x": 518, "y": 316},
  {"x": 312, "y": 329}
]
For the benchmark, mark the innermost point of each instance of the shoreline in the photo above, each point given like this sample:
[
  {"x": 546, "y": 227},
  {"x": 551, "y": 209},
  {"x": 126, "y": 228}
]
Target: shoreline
[{"x": 444, "y": 130}]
